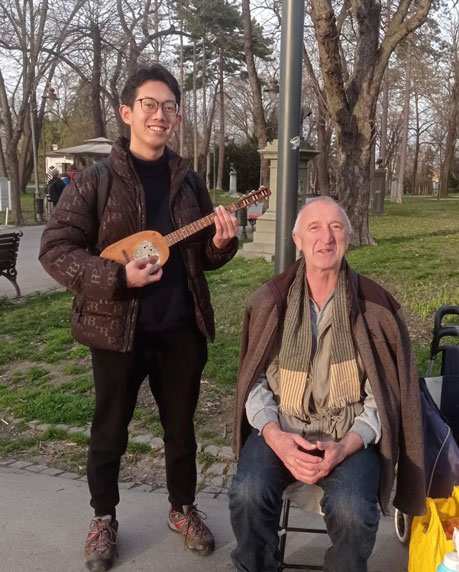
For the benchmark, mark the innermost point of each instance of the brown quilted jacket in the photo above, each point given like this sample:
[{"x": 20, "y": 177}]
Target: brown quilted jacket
[{"x": 104, "y": 310}]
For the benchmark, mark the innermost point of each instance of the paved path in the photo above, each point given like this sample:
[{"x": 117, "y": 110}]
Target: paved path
[
  {"x": 45, "y": 521},
  {"x": 31, "y": 276}
]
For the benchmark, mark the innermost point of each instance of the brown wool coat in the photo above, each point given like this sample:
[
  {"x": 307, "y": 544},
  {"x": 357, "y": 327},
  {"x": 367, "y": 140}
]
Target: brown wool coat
[
  {"x": 382, "y": 339},
  {"x": 104, "y": 308}
]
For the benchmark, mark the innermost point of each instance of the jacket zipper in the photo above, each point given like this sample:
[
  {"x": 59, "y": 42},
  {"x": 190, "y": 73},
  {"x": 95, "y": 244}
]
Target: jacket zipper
[
  {"x": 190, "y": 282},
  {"x": 133, "y": 303}
]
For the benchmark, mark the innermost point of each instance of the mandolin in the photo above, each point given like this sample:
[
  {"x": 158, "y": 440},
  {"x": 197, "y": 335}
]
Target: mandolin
[{"x": 151, "y": 244}]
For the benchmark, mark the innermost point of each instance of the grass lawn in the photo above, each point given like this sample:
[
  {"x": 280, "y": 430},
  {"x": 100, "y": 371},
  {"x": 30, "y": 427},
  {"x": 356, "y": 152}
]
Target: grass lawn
[{"x": 45, "y": 375}]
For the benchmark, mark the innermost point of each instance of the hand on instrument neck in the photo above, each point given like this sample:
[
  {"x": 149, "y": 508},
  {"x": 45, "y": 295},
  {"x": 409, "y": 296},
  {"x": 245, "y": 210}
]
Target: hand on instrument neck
[{"x": 226, "y": 227}]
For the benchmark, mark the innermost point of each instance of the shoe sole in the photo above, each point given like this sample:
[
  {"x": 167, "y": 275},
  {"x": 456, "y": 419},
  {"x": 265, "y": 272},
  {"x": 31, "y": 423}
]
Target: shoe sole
[
  {"x": 204, "y": 552},
  {"x": 97, "y": 567}
]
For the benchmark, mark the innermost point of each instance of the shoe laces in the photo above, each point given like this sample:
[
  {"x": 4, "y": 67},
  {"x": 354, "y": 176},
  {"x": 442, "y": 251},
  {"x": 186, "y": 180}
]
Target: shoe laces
[
  {"x": 101, "y": 537},
  {"x": 195, "y": 521}
]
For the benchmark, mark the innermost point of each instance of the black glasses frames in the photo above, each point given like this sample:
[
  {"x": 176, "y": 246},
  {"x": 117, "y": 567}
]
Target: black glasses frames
[{"x": 150, "y": 105}]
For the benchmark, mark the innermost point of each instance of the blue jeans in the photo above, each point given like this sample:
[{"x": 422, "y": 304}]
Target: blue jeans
[{"x": 349, "y": 504}]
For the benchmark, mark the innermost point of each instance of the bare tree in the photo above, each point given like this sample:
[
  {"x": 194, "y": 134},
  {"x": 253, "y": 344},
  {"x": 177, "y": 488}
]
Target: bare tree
[
  {"x": 453, "y": 112},
  {"x": 397, "y": 194},
  {"x": 259, "y": 119},
  {"x": 29, "y": 34},
  {"x": 352, "y": 94}
]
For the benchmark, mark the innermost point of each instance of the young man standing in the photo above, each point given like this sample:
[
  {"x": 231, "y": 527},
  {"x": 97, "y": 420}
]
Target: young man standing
[{"x": 141, "y": 319}]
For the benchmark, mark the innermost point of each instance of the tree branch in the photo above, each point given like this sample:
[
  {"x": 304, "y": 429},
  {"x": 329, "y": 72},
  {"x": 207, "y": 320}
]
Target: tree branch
[{"x": 324, "y": 22}]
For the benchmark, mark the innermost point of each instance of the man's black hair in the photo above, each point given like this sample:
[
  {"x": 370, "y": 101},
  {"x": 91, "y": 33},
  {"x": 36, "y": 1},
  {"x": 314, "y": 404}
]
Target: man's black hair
[{"x": 155, "y": 72}]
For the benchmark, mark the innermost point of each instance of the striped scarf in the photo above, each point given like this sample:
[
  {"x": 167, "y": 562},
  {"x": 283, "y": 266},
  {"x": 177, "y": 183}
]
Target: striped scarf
[{"x": 296, "y": 344}]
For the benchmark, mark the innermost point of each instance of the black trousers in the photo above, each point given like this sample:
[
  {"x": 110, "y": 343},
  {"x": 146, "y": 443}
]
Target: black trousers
[{"x": 173, "y": 362}]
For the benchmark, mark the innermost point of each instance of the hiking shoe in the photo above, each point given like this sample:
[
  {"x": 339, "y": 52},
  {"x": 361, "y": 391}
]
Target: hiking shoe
[
  {"x": 100, "y": 547},
  {"x": 190, "y": 525}
]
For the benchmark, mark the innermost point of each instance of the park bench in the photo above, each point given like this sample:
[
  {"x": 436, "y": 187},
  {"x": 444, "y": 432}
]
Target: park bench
[{"x": 9, "y": 244}]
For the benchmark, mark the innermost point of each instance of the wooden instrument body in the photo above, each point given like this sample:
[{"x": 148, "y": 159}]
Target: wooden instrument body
[{"x": 146, "y": 244}]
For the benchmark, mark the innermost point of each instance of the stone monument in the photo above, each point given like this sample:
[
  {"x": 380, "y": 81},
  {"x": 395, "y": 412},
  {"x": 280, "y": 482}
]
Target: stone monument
[{"x": 264, "y": 236}]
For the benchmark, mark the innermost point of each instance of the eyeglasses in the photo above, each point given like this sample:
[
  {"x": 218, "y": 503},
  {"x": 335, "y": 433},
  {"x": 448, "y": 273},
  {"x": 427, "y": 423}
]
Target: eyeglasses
[{"x": 150, "y": 105}]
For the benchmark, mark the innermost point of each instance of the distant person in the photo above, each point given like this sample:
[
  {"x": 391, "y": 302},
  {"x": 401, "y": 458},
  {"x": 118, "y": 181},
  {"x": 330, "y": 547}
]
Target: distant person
[
  {"x": 54, "y": 187},
  {"x": 73, "y": 171}
]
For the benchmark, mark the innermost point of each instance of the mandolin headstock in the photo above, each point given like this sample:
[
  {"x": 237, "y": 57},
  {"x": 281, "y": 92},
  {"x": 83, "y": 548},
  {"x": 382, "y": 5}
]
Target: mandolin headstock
[{"x": 249, "y": 199}]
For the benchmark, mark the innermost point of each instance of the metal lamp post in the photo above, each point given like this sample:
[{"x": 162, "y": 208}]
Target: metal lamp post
[
  {"x": 51, "y": 98},
  {"x": 289, "y": 130},
  {"x": 38, "y": 217}
]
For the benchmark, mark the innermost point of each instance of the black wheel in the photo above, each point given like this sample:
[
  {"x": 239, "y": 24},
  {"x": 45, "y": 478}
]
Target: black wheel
[{"x": 402, "y": 526}]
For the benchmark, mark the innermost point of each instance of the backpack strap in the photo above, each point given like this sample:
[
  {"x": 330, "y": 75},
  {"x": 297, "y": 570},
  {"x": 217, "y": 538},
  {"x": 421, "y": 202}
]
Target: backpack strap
[{"x": 104, "y": 182}]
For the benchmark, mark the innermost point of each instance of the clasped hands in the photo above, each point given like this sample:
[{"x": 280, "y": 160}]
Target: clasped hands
[{"x": 292, "y": 451}]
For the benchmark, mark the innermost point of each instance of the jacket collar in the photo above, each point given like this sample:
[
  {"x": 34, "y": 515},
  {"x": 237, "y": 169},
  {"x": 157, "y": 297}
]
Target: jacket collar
[
  {"x": 280, "y": 286},
  {"x": 122, "y": 164}
]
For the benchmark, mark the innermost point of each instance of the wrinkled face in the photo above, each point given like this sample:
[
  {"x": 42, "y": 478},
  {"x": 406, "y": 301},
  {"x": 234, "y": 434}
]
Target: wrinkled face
[
  {"x": 322, "y": 236},
  {"x": 150, "y": 131}
]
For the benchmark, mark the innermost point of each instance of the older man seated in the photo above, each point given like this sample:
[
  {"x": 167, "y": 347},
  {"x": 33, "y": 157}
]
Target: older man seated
[{"x": 327, "y": 394}]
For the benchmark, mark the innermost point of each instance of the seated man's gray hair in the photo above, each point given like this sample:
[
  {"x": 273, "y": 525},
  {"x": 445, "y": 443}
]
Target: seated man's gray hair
[{"x": 327, "y": 200}]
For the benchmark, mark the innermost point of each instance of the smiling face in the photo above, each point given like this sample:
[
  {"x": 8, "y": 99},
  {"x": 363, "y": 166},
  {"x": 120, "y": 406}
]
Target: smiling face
[
  {"x": 150, "y": 131},
  {"x": 322, "y": 235}
]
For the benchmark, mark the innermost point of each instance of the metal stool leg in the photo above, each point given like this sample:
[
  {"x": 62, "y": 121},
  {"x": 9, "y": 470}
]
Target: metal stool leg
[{"x": 283, "y": 529}]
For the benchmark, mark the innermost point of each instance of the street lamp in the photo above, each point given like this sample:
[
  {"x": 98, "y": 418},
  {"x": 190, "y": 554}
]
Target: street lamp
[
  {"x": 51, "y": 98},
  {"x": 38, "y": 212}
]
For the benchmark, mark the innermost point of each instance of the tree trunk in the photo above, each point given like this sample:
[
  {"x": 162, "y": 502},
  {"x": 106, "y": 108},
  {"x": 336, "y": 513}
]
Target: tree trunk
[
  {"x": 156, "y": 30},
  {"x": 323, "y": 146},
  {"x": 414, "y": 176},
  {"x": 205, "y": 150},
  {"x": 221, "y": 139},
  {"x": 182, "y": 91},
  {"x": 385, "y": 108},
  {"x": 195, "y": 113},
  {"x": 448, "y": 158},
  {"x": 384, "y": 119},
  {"x": 259, "y": 119},
  {"x": 453, "y": 112},
  {"x": 397, "y": 198},
  {"x": 207, "y": 136},
  {"x": 3, "y": 169},
  {"x": 97, "y": 115},
  {"x": 353, "y": 181}
]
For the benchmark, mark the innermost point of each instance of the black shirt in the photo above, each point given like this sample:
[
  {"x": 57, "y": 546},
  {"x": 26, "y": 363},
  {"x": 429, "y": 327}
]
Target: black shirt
[{"x": 167, "y": 304}]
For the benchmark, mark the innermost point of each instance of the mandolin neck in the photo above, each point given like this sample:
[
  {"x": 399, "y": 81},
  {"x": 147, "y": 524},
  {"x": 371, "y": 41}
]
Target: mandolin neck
[{"x": 194, "y": 227}]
